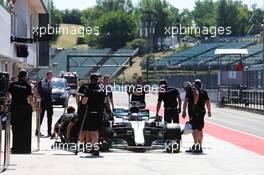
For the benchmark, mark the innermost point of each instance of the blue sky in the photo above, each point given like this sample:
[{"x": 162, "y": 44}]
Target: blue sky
[{"x": 181, "y": 4}]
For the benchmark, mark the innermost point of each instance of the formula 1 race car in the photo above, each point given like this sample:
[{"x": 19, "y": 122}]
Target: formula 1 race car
[{"x": 134, "y": 128}]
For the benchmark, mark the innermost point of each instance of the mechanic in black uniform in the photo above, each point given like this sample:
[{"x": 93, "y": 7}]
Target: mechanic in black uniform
[
  {"x": 94, "y": 98},
  {"x": 198, "y": 119},
  {"x": 172, "y": 102},
  {"x": 191, "y": 99},
  {"x": 73, "y": 129},
  {"x": 109, "y": 101},
  {"x": 61, "y": 125},
  {"x": 138, "y": 92},
  {"x": 44, "y": 91},
  {"x": 21, "y": 113}
]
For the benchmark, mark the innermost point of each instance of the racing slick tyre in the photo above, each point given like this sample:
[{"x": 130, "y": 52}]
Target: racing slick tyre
[
  {"x": 105, "y": 145},
  {"x": 172, "y": 131},
  {"x": 106, "y": 136},
  {"x": 173, "y": 137}
]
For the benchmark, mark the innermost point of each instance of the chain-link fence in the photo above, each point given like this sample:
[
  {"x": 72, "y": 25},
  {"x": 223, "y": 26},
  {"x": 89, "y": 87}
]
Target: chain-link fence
[{"x": 251, "y": 80}]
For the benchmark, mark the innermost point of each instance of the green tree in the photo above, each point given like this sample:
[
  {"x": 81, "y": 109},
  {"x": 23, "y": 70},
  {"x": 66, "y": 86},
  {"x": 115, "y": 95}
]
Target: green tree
[
  {"x": 142, "y": 44},
  {"x": 244, "y": 15},
  {"x": 186, "y": 18},
  {"x": 204, "y": 14},
  {"x": 90, "y": 15},
  {"x": 173, "y": 14},
  {"x": 116, "y": 29},
  {"x": 157, "y": 14},
  {"x": 56, "y": 19},
  {"x": 72, "y": 16},
  {"x": 229, "y": 15},
  {"x": 257, "y": 20},
  {"x": 115, "y": 5},
  {"x": 56, "y": 16}
]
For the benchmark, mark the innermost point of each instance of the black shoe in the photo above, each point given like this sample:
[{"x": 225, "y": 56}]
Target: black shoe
[
  {"x": 95, "y": 153},
  {"x": 53, "y": 136},
  {"x": 89, "y": 151},
  {"x": 190, "y": 150},
  {"x": 198, "y": 149}
]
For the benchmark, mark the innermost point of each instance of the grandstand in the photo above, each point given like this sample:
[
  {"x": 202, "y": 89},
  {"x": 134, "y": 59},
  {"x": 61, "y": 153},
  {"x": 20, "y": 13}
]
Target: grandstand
[
  {"x": 186, "y": 55},
  {"x": 59, "y": 57},
  {"x": 255, "y": 55},
  {"x": 203, "y": 56},
  {"x": 82, "y": 65},
  {"x": 214, "y": 61},
  {"x": 113, "y": 70}
]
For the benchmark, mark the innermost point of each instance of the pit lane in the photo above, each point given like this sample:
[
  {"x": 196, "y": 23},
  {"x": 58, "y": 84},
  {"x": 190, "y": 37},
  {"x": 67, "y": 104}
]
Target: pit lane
[{"x": 220, "y": 156}]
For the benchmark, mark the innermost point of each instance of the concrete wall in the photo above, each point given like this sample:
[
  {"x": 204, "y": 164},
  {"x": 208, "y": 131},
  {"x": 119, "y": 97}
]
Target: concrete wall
[
  {"x": 5, "y": 32},
  {"x": 26, "y": 18}
]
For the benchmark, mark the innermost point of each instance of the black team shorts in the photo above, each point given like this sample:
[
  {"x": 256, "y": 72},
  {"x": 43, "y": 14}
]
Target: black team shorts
[
  {"x": 198, "y": 121},
  {"x": 171, "y": 114},
  {"x": 93, "y": 121}
]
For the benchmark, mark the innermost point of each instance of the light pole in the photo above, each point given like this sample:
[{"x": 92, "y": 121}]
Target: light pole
[{"x": 148, "y": 26}]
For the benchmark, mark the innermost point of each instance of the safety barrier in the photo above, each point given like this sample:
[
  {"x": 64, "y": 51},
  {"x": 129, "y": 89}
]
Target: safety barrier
[
  {"x": 253, "y": 99},
  {"x": 5, "y": 119}
]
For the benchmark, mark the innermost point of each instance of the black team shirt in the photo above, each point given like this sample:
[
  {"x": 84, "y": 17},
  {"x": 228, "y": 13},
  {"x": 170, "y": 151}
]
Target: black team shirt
[{"x": 169, "y": 97}]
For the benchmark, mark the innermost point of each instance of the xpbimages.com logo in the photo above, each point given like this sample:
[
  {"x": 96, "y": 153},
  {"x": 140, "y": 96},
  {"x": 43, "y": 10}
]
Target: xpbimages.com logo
[
  {"x": 188, "y": 30},
  {"x": 132, "y": 88},
  {"x": 61, "y": 30}
]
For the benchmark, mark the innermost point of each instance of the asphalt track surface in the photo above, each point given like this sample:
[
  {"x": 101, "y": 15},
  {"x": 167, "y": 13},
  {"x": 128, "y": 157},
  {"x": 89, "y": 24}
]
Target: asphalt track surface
[{"x": 233, "y": 144}]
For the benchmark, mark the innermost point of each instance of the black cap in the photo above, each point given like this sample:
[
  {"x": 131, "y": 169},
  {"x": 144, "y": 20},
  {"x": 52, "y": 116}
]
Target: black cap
[
  {"x": 163, "y": 82},
  {"x": 198, "y": 83},
  {"x": 22, "y": 74},
  {"x": 94, "y": 77}
]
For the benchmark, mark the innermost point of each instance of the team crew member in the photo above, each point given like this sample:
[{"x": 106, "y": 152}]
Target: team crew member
[
  {"x": 191, "y": 99},
  {"x": 61, "y": 125},
  {"x": 94, "y": 98},
  {"x": 21, "y": 113},
  {"x": 45, "y": 90},
  {"x": 73, "y": 129},
  {"x": 172, "y": 102},
  {"x": 109, "y": 101},
  {"x": 138, "y": 92},
  {"x": 198, "y": 118},
  {"x": 190, "y": 102}
]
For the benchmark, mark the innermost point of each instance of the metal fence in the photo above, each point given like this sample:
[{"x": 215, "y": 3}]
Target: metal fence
[
  {"x": 254, "y": 79},
  {"x": 253, "y": 99},
  {"x": 251, "y": 80},
  {"x": 5, "y": 142}
]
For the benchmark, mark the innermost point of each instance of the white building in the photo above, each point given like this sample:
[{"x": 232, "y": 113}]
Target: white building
[{"x": 17, "y": 19}]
